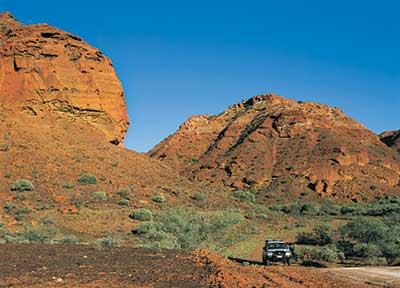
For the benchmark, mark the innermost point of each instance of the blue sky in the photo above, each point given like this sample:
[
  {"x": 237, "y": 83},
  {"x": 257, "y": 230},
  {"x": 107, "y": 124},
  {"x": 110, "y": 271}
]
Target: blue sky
[{"x": 182, "y": 58}]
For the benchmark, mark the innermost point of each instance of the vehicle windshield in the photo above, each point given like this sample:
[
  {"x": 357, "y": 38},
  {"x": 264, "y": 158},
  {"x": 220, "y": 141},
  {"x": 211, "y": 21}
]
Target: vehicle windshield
[{"x": 277, "y": 246}]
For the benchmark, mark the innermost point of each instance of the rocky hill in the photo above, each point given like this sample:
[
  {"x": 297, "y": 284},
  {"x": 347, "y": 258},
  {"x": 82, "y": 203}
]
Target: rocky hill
[
  {"x": 63, "y": 116},
  {"x": 391, "y": 139},
  {"x": 282, "y": 147}
]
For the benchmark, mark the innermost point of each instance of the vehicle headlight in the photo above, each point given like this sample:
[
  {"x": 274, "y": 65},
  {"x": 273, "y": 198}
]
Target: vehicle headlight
[
  {"x": 270, "y": 253},
  {"x": 288, "y": 253}
]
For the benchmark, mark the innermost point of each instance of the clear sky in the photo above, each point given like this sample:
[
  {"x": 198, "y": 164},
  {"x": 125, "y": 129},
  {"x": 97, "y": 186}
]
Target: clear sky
[{"x": 182, "y": 58}]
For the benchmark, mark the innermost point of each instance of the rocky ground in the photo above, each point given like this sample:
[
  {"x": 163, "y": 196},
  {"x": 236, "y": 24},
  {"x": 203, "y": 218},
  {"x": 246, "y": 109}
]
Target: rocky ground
[{"x": 85, "y": 266}]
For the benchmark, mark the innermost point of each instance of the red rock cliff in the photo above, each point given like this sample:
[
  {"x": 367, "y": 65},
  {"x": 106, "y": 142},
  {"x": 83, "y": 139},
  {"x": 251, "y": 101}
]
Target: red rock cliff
[{"x": 45, "y": 71}]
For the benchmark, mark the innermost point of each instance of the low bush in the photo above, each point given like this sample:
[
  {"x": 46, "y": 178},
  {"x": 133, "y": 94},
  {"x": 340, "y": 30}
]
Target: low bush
[
  {"x": 87, "y": 179},
  {"x": 124, "y": 193},
  {"x": 327, "y": 253},
  {"x": 99, "y": 195},
  {"x": 47, "y": 221},
  {"x": 320, "y": 235},
  {"x": 22, "y": 185},
  {"x": 181, "y": 228},
  {"x": 244, "y": 196},
  {"x": 123, "y": 202},
  {"x": 141, "y": 214},
  {"x": 68, "y": 185},
  {"x": 70, "y": 239},
  {"x": 199, "y": 196},
  {"x": 107, "y": 241},
  {"x": 8, "y": 207},
  {"x": 159, "y": 198}
]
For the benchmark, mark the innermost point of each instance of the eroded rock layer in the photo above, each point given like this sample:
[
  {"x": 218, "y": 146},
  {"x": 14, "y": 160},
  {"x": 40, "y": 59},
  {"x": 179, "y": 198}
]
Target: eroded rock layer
[
  {"x": 45, "y": 71},
  {"x": 277, "y": 145}
]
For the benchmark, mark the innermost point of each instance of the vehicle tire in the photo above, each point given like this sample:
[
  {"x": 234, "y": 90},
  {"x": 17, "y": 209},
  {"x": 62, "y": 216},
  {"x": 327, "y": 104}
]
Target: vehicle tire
[
  {"x": 266, "y": 262},
  {"x": 289, "y": 261}
]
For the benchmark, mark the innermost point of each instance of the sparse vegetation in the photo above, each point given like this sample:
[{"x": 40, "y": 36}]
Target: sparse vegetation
[
  {"x": 87, "y": 179},
  {"x": 29, "y": 235},
  {"x": 22, "y": 185}
]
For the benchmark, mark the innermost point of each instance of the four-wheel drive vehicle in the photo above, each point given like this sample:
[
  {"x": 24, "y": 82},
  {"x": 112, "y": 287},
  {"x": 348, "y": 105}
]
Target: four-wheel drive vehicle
[{"x": 276, "y": 250}]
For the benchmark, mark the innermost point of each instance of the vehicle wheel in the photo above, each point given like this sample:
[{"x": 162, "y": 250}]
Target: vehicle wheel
[
  {"x": 289, "y": 261},
  {"x": 266, "y": 262}
]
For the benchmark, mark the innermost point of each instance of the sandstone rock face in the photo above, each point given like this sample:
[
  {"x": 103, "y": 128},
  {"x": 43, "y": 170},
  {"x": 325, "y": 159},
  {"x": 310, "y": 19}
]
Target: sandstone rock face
[
  {"x": 280, "y": 146},
  {"x": 46, "y": 71},
  {"x": 391, "y": 139}
]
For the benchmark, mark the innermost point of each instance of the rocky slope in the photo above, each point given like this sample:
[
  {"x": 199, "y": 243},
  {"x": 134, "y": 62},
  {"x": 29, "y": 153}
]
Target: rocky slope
[
  {"x": 279, "y": 146},
  {"x": 391, "y": 139}
]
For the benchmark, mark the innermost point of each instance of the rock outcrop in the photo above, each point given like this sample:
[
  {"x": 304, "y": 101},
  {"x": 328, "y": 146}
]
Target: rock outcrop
[
  {"x": 280, "y": 146},
  {"x": 391, "y": 139},
  {"x": 46, "y": 71},
  {"x": 61, "y": 104}
]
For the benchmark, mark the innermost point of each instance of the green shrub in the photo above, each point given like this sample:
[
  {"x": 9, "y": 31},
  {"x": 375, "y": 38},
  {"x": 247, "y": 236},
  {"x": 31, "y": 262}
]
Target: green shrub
[
  {"x": 69, "y": 239},
  {"x": 327, "y": 253},
  {"x": 8, "y": 207},
  {"x": 365, "y": 230},
  {"x": 367, "y": 250},
  {"x": 262, "y": 216},
  {"x": 34, "y": 236},
  {"x": 123, "y": 202},
  {"x": 68, "y": 185},
  {"x": 180, "y": 228},
  {"x": 47, "y": 221},
  {"x": 199, "y": 196},
  {"x": 99, "y": 195},
  {"x": 159, "y": 198},
  {"x": 244, "y": 196},
  {"x": 22, "y": 211},
  {"x": 374, "y": 237},
  {"x": 329, "y": 208},
  {"x": 107, "y": 241},
  {"x": 86, "y": 179},
  {"x": 309, "y": 209},
  {"x": 124, "y": 193},
  {"x": 22, "y": 185},
  {"x": 321, "y": 235},
  {"x": 142, "y": 214}
]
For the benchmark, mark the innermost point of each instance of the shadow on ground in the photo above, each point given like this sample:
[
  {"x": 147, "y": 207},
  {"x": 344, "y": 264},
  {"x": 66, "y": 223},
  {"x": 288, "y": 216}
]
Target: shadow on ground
[{"x": 245, "y": 261}]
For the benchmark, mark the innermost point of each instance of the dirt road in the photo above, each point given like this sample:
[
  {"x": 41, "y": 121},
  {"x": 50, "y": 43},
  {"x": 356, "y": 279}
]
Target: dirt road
[{"x": 388, "y": 277}]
